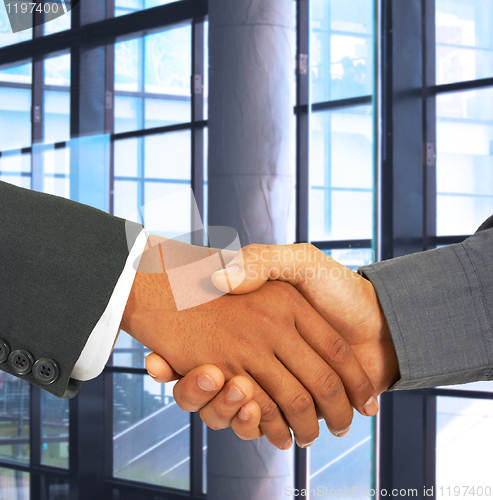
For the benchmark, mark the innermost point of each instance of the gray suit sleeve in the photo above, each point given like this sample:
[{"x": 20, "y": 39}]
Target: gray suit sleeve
[
  {"x": 439, "y": 308},
  {"x": 59, "y": 264}
]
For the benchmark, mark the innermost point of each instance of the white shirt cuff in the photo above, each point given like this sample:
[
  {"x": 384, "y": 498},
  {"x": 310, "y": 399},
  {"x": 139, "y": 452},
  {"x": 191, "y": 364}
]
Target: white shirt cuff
[{"x": 99, "y": 345}]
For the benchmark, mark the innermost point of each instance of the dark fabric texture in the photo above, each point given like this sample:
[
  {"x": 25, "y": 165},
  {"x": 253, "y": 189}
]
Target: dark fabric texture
[
  {"x": 59, "y": 264},
  {"x": 439, "y": 308}
]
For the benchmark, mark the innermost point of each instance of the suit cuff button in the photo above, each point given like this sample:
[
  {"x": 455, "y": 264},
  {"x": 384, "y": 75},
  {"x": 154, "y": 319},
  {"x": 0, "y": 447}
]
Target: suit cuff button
[
  {"x": 21, "y": 362},
  {"x": 45, "y": 371},
  {"x": 4, "y": 351}
]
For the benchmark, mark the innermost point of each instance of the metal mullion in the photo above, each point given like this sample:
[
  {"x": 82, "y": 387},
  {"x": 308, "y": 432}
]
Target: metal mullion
[
  {"x": 342, "y": 244},
  {"x": 157, "y": 130},
  {"x": 302, "y": 121},
  {"x": 35, "y": 441},
  {"x": 462, "y": 86},
  {"x": 197, "y": 185},
  {"x": 429, "y": 123},
  {"x": 107, "y": 30},
  {"x": 37, "y": 121},
  {"x": 302, "y": 173}
]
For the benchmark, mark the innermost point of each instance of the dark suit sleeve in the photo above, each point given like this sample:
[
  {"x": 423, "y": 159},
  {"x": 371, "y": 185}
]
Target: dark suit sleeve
[
  {"x": 439, "y": 308},
  {"x": 59, "y": 264}
]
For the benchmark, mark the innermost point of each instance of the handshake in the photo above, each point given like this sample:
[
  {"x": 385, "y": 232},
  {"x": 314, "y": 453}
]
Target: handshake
[{"x": 298, "y": 337}]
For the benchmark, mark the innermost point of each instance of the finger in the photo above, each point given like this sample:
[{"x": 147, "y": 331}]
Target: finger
[
  {"x": 338, "y": 354},
  {"x": 198, "y": 387},
  {"x": 272, "y": 422},
  {"x": 246, "y": 423},
  {"x": 293, "y": 399},
  {"x": 159, "y": 369},
  {"x": 245, "y": 272},
  {"x": 220, "y": 411},
  {"x": 320, "y": 380}
]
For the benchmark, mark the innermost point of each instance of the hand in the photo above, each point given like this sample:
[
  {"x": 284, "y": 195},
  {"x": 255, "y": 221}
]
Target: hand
[
  {"x": 204, "y": 389},
  {"x": 255, "y": 336},
  {"x": 341, "y": 296},
  {"x": 346, "y": 300}
]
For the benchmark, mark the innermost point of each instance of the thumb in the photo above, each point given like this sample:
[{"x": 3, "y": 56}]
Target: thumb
[{"x": 246, "y": 272}]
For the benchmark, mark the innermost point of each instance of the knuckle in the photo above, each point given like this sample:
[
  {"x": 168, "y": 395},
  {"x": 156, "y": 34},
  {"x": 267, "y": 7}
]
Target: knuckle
[
  {"x": 329, "y": 385},
  {"x": 269, "y": 410},
  {"x": 301, "y": 403},
  {"x": 214, "y": 424},
  {"x": 364, "y": 387},
  {"x": 338, "y": 350}
]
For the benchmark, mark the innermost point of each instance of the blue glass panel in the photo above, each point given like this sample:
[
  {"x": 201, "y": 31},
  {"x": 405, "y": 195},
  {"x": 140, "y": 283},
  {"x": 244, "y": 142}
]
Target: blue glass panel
[
  {"x": 17, "y": 74},
  {"x": 15, "y": 118},
  {"x": 128, "y": 352},
  {"x": 126, "y": 199},
  {"x": 464, "y": 161},
  {"x": 168, "y": 156},
  {"x": 464, "y": 40},
  {"x": 464, "y": 441},
  {"x": 54, "y": 430},
  {"x": 151, "y": 434},
  {"x": 180, "y": 223},
  {"x": 16, "y": 180},
  {"x": 58, "y": 24},
  {"x": 123, "y": 7},
  {"x": 57, "y": 71},
  {"x": 341, "y": 174},
  {"x": 353, "y": 258},
  {"x": 15, "y": 162},
  {"x": 162, "y": 112},
  {"x": 128, "y": 114},
  {"x": 56, "y": 116},
  {"x": 14, "y": 404},
  {"x": 168, "y": 62},
  {"x": 339, "y": 463},
  {"x": 127, "y": 63},
  {"x": 14, "y": 484},
  {"x": 341, "y": 51},
  {"x": 126, "y": 157},
  {"x": 6, "y": 35}
]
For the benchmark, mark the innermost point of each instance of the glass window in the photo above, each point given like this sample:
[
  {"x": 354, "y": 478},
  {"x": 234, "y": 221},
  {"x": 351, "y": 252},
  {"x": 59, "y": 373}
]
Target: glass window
[
  {"x": 341, "y": 53},
  {"x": 55, "y": 21},
  {"x": 14, "y": 484},
  {"x": 54, "y": 430},
  {"x": 57, "y": 71},
  {"x": 461, "y": 425},
  {"x": 152, "y": 80},
  {"x": 151, "y": 434},
  {"x": 123, "y": 7},
  {"x": 464, "y": 161},
  {"x": 339, "y": 463},
  {"x": 341, "y": 174},
  {"x": 6, "y": 35},
  {"x": 14, "y": 408},
  {"x": 464, "y": 40},
  {"x": 15, "y": 107}
]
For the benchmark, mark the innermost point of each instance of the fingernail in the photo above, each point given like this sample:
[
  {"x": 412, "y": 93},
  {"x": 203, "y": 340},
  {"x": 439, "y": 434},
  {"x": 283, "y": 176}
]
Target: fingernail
[
  {"x": 287, "y": 444},
  {"x": 343, "y": 433},
  {"x": 153, "y": 376},
  {"x": 371, "y": 407},
  {"x": 244, "y": 415},
  {"x": 307, "y": 445},
  {"x": 234, "y": 394},
  {"x": 206, "y": 383},
  {"x": 232, "y": 270}
]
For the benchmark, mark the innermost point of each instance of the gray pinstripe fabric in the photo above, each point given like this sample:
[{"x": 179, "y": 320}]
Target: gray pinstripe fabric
[{"x": 439, "y": 307}]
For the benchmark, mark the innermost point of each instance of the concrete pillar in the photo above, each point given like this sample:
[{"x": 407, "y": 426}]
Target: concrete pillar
[
  {"x": 251, "y": 138},
  {"x": 251, "y": 158}
]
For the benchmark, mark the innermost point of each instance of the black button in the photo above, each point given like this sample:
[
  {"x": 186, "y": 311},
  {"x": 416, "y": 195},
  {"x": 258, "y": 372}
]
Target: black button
[
  {"x": 4, "y": 351},
  {"x": 21, "y": 362},
  {"x": 45, "y": 371}
]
